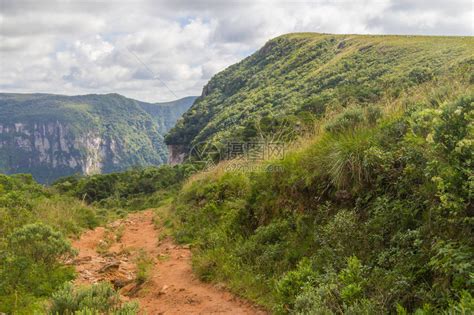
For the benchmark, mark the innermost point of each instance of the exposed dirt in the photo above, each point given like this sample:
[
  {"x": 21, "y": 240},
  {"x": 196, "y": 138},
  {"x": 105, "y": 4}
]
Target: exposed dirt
[{"x": 171, "y": 288}]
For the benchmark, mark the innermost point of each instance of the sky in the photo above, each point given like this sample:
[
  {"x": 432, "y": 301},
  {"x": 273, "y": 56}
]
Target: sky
[{"x": 162, "y": 50}]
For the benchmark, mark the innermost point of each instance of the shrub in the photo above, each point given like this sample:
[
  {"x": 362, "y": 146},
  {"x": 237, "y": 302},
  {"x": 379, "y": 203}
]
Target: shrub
[
  {"x": 136, "y": 188},
  {"x": 32, "y": 253},
  {"x": 454, "y": 132},
  {"x": 453, "y": 264},
  {"x": 316, "y": 105},
  {"x": 352, "y": 280},
  {"x": 294, "y": 282},
  {"x": 144, "y": 265},
  {"x": 420, "y": 75},
  {"x": 266, "y": 249},
  {"x": 39, "y": 243},
  {"x": 465, "y": 305},
  {"x": 348, "y": 119},
  {"x": 307, "y": 292},
  {"x": 30, "y": 266},
  {"x": 99, "y": 298},
  {"x": 340, "y": 159},
  {"x": 373, "y": 113}
]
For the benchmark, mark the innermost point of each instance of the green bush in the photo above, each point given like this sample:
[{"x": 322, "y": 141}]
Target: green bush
[
  {"x": 39, "y": 243},
  {"x": 99, "y": 298},
  {"x": 34, "y": 223},
  {"x": 137, "y": 188},
  {"x": 317, "y": 105},
  {"x": 373, "y": 114},
  {"x": 31, "y": 266},
  {"x": 144, "y": 265},
  {"x": 347, "y": 120},
  {"x": 295, "y": 282}
]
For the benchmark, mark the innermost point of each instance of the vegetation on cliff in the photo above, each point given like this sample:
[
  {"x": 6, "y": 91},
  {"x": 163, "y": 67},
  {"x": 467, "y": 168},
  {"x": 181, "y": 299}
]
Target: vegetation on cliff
[
  {"x": 51, "y": 136},
  {"x": 166, "y": 114}
]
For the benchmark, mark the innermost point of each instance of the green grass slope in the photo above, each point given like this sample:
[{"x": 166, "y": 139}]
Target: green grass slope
[
  {"x": 370, "y": 209},
  {"x": 372, "y": 220},
  {"x": 297, "y": 77}
]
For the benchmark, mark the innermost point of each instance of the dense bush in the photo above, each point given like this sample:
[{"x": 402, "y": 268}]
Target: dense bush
[
  {"x": 353, "y": 117},
  {"x": 39, "y": 243},
  {"x": 98, "y": 298},
  {"x": 31, "y": 266},
  {"x": 420, "y": 75}
]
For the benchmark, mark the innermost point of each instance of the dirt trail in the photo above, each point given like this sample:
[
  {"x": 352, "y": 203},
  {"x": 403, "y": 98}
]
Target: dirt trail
[{"x": 171, "y": 288}]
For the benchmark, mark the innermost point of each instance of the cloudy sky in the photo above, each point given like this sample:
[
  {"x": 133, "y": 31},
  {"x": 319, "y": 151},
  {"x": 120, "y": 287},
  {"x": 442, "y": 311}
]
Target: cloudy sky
[{"x": 160, "y": 50}]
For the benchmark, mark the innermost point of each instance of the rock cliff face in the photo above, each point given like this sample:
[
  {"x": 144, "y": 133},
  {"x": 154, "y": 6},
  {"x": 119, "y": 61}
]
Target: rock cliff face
[
  {"x": 51, "y": 136},
  {"x": 176, "y": 154},
  {"x": 50, "y": 148}
]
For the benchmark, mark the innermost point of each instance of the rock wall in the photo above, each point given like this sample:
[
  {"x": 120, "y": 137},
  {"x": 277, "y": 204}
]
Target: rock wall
[
  {"x": 51, "y": 145},
  {"x": 176, "y": 154}
]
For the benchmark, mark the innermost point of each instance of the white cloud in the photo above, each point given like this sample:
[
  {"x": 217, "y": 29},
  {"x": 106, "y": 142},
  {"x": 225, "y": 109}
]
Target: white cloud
[{"x": 77, "y": 47}]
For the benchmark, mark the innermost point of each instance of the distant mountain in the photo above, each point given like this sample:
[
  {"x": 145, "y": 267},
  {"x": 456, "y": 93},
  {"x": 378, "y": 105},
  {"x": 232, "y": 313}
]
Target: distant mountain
[
  {"x": 297, "y": 77},
  {"x": 167, "y": 113},
  {"x": 51, "y": 136}
]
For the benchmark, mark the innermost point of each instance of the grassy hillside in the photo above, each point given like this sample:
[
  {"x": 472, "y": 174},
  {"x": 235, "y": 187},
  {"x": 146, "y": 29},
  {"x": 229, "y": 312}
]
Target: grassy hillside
[
  {"x": 372, "y": 220},
  {"x": 298, "y": 77},
  {"x": 52, "y": 135},
  {"x": 370, "y": 209}
]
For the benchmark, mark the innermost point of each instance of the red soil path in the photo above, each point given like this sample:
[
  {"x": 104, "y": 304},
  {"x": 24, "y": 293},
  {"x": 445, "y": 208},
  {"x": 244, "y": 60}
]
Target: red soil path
[{"x": 171, "y": 287}]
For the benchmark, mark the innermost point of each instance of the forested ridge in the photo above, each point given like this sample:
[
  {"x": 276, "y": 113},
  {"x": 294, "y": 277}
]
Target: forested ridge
[{"x": 296, "y": 78}]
